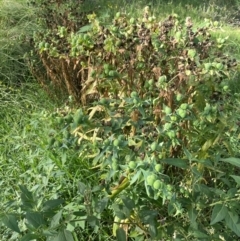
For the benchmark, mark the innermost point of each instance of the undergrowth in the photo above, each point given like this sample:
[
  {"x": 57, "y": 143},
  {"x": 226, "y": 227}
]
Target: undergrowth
[{"x": 153, "y": 154}]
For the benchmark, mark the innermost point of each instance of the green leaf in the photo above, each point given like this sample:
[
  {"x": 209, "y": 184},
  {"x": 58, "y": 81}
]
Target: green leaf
[
  {"x": 236, "y": 178},
  {"x": 192, "y": 214},
  {"x": 56, "y": 219},
  {"x": 35, "y": 219},
  {"x": 93, "y": 221},
  {"x": 85, "y": 28},
  {"x": 64, "y": 235},
  {"x": 232, "y": 222},
  {"x": 101, "y": 205},
  {"x": 82, "y": 188},
  {"x": 199, "y": 234},
  {"x": 52, "y": 204},
  {"x": 152, "y": 228},
  {"x": 27, "y": 198},
  {"x": 121, "y": 235},
  {"x": 30, "y": 236},
  {"x": 121, "y": 211},
  {"x": 128, "y": 202},
  {"x": 171, "y": 209},
  {"x": 147, "y": 216},
  {"x": 10, "y": 220},
  {"x": 136, "y": 177},
  {"x": 218, "y": 214},
  {"x": 176, "y": 162},
  {"x": 232, "y": 160}
]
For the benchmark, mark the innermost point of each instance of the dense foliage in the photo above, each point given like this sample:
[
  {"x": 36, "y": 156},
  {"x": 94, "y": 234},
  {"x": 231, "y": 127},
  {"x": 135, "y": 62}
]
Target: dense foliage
[{"x": 150, "y": 155}]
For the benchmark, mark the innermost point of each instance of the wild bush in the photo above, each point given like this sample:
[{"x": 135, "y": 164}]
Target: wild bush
[
  {"x": 155, "y": 129},
  {"x": 131, "y": 54}
]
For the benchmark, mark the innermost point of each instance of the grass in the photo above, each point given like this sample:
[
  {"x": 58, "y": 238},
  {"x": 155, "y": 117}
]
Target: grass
[
  {"x": 28, "y": 117},
  {"x": 17, "y": 25}
]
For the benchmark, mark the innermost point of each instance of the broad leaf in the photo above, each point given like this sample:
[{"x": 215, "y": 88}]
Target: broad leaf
[
  {"x": 236, "y": 178},
  {"x": 64, "y": 235},
  {"x": 29, "y": 237},
  {"x": 135, "y": 177},
  {"x": 93, "y": 221},
  {"x": 27, "y": 198},
  {"x": 176, "y": 162},
  {"x": 199, "y": 234},
  {"x": 153, "y": 228},
  {"x": 56, "y": 219},
  {"x": 52, "y": 204},
  {"x": 147, "y": 216},
  {"x": 218, "y": 214},
  {"x": 232, "y": 222},
  {"x": 128, "y": 202},
  {"x": 232, "y": 160},
  {"x": 10, "y": 220},
  {"x": 85, "y": 28},
  {"x": 35, "y": 219},
  {"x": 82, "y": 188},
  {"x": 121, "y": 235},
  {"x": 121, "y": 211},
  {"x": 101, "y": 205},
  {"x": 192, "y": 214}
]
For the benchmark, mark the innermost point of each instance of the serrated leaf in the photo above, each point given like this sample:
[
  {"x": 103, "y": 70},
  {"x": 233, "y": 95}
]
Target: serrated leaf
[
  {"x": 236, "y": 178},
  {"x": 35, "y": 219},
  {"x": 10, "y": 220},
  {"x": 63, "y": 235},
  {"x": 218, "y": 214},
  {"x": 121, "y": 235},
  {"x": 176, "y": 162},
  {"x": 232, "y": 222},
  {"x": 232, "y": 160}
]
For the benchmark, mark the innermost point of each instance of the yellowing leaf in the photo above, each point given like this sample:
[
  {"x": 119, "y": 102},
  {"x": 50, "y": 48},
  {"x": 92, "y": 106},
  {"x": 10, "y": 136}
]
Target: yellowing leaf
[{"x": 207, "y": 145}]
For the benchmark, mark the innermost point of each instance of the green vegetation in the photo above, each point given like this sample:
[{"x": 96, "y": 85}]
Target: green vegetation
[{"x": 132, "y": 130}]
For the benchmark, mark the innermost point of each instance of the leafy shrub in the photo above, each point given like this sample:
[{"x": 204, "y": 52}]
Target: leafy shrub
[
  {"x": 134, "y": 54},
  {"x": 150, "y": 187},
  {"x": 157, "y": 137},
  {"x": 163, "y": 111},
  {"x": 57, "y": 19}
]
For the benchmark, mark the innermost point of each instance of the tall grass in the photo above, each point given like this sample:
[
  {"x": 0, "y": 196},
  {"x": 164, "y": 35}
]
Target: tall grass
[{"x": 17, "y": 24}]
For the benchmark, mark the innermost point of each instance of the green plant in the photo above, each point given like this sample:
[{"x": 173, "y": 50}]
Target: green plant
[
  {"x": 149, "y": 160},
  {"x": 127, "y": 146},
  {"x": 17, "y": 24}
]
